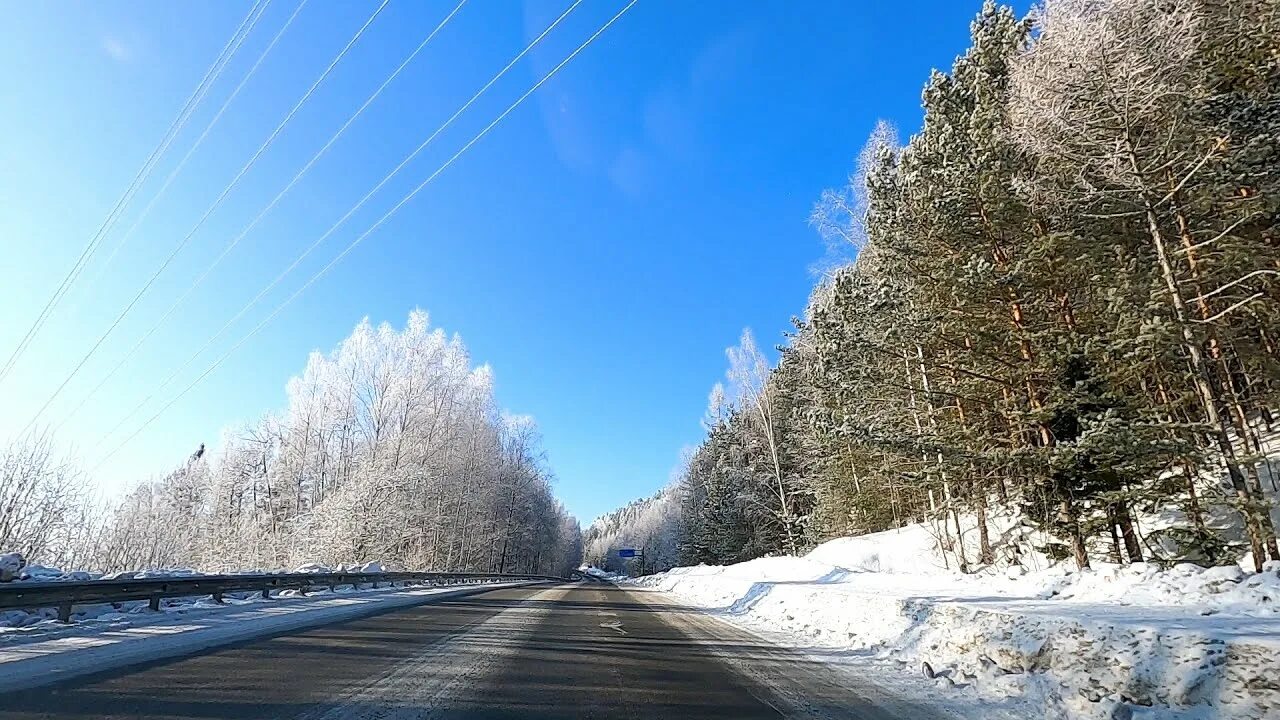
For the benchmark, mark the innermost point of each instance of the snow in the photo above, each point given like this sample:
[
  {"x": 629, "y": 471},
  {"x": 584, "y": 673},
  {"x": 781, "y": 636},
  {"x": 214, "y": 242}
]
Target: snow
[
  {"x": 599, "y": 574},
  {"x": 115, "y": 640},
  {"x": 10, "y": 565},
  {"x": 1118, "y": 641},
  {"x": 18, "y": 622},
  {"x": 369, "y": 567},
  {"x": 18, "y": 626},
  {"x": 14, "y": 568},
  {"x": 910, "y": 550}
]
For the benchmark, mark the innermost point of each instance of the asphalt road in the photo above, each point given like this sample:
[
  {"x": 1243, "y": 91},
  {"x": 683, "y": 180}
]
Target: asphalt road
[{"x": 572, "y": 651}]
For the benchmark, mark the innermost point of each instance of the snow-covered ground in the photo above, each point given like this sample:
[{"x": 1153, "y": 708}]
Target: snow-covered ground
[
  {"x": 48, "y": 653},
  {"x": 14, "y": 568},
  {"x": 19, "y": 625},
  {"x": 1113, "y": 642},
  {"x": 599, "y": 574}
]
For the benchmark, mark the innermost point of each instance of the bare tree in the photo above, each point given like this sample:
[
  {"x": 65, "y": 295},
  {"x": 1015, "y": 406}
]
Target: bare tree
[
  {"x": 41, "y": 498},
  {"x": 753, "y": 394}
]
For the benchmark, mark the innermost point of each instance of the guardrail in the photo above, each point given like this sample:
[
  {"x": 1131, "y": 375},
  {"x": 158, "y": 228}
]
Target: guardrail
[{"x": 65, "y": 595}]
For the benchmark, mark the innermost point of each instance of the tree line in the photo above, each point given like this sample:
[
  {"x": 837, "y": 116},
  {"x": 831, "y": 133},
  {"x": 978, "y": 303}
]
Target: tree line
[
  {"x": 1061, "y": 310},
  {"x": 643, "y": 525},
  {"x": 390, "y": 448}
]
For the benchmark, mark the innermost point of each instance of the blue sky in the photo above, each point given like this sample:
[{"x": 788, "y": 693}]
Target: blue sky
[{"x": 599, "y": 249}]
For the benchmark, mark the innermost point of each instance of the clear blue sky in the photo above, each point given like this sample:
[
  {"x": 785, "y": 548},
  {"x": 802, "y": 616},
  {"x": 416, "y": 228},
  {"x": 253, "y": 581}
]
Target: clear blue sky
[{"x": 599, "y": 249}]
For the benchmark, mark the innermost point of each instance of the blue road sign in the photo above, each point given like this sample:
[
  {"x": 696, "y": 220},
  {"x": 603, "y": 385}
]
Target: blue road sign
[{"x": 627, "y": 553}]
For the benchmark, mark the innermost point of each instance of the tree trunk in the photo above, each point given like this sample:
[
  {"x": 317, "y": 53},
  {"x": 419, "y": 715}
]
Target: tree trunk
[
  {"x": 1115, "y": 539},
  {"x": 961, "y": 559},
  {"x": 1193, "y": 500},
  {"x": 985, "y": 555},
  {"x": 1067, "y": 515},
  {"x": 1202, "y": 380},
  {"x": 1131, "y": 545}
]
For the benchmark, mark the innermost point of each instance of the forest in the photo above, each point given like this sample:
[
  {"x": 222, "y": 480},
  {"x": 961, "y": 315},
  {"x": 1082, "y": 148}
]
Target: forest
[
  {"x": 1059, "y": 307},
  {"x": 390, "y": 448}
]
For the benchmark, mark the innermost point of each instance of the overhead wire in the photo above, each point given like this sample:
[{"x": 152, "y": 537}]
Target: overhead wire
[
  {"x": 140, "y": 177},
  {"x": 379, "y": 223},
  {"x": 263, "y": 213},
  {"x": 203, "y": 218},
  {"x": 173, "y": 174},
  {"x": 346, "y": 216}
]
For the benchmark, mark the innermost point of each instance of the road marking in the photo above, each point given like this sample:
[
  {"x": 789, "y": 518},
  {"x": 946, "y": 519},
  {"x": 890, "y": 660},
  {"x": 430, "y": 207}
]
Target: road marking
[{"x": 615, "y": 625}]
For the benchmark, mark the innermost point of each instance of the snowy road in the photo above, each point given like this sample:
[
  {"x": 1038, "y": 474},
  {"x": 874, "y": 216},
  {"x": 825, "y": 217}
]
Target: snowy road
[{"x": 574, "y": 651}]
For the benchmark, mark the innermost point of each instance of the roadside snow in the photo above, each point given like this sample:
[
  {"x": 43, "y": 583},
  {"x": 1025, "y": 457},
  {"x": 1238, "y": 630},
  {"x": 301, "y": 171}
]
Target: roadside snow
[
  {"x": 15, "y": 623},
  {"x": 14, "y": 568},
  {"x": 1115, "y": 642},
  {"x": 599, "y": 574},
  {"x": 10, "y": 565},
  {"x": 70, "y": 651}
]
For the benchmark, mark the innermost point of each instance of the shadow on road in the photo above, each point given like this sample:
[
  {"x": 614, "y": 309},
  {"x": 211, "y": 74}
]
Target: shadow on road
[{"x": 593, "y": 652}]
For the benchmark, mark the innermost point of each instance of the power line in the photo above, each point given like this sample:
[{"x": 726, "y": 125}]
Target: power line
[
  {"x": 200, "y": 223},
  {"x": 146, "y": 211},
  {"x": 271, "y": 205},
  {"x": 382, "y": 220},
  {"x": 334, "y": 227},
  {"x": 155, "y": 197},
  {"x": 144, "y": 172}
]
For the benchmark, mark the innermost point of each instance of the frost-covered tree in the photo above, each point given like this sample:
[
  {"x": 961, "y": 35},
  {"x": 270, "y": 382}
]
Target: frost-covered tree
[
  {"x": 649, "y": 525},
  {"x": 43, "y": 507},
  {"x": 1058, "y": 307},
  {"x": 391, "y": 447}
]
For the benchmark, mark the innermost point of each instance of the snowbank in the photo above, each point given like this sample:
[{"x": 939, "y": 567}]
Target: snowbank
[
  {"x": 909, "y": 550},
  {"x": 14, "y": 568},
  {"x": 1114, "y": 642},
  {"x": 599, "y": 574},
  {"x": 369, "y": 567},
  {"x": 11, "y": 565},
  {"x": 122, "y": 614}
]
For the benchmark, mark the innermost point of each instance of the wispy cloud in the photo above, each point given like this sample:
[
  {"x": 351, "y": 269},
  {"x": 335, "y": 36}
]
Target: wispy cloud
[{"x": 115, "y": 48}]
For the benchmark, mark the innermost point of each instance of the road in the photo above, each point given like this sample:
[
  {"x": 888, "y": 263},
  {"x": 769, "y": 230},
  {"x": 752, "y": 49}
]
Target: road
[{"x": 544, "y": 652}]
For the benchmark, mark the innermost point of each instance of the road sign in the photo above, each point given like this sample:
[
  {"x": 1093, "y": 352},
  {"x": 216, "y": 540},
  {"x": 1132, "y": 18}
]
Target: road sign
[{"x": 628, "y": 553}]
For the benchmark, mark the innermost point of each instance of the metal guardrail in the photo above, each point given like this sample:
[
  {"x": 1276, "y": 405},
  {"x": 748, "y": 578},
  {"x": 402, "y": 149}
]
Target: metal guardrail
[{"x": 65, "y": 595}]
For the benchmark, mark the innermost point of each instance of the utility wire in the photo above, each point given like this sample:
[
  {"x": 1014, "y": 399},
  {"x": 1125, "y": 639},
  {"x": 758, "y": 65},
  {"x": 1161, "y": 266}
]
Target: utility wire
[
  {"x": 146, "y": 211},
  {"x": 333, "y": 228},
  {"x": 263, "y": 213},
  {"x": 144, "y": 172},
  {"x": 200, "y": 223},
  {"x": 382, "y": 220}
]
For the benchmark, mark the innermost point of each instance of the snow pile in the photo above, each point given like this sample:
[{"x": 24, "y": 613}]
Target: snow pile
[
  {"x": 11, "y": 565},
  {"x": 122, "y": 614},
  {"x": 13, "y": 568},
  {"x": 1114, "y": 642},
  {"x": 599, "y": 574},
  {"x": 144, "y": 574},
  {"x": 369, "y": 567},
  {"x": 1206, "y": 590},
  {"x": 913, "y": 550}
]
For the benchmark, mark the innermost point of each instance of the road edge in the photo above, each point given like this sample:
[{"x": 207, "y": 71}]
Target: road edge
[
  {"x": 882, "y": 699},
  {"x": 63, "y": 666}
]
